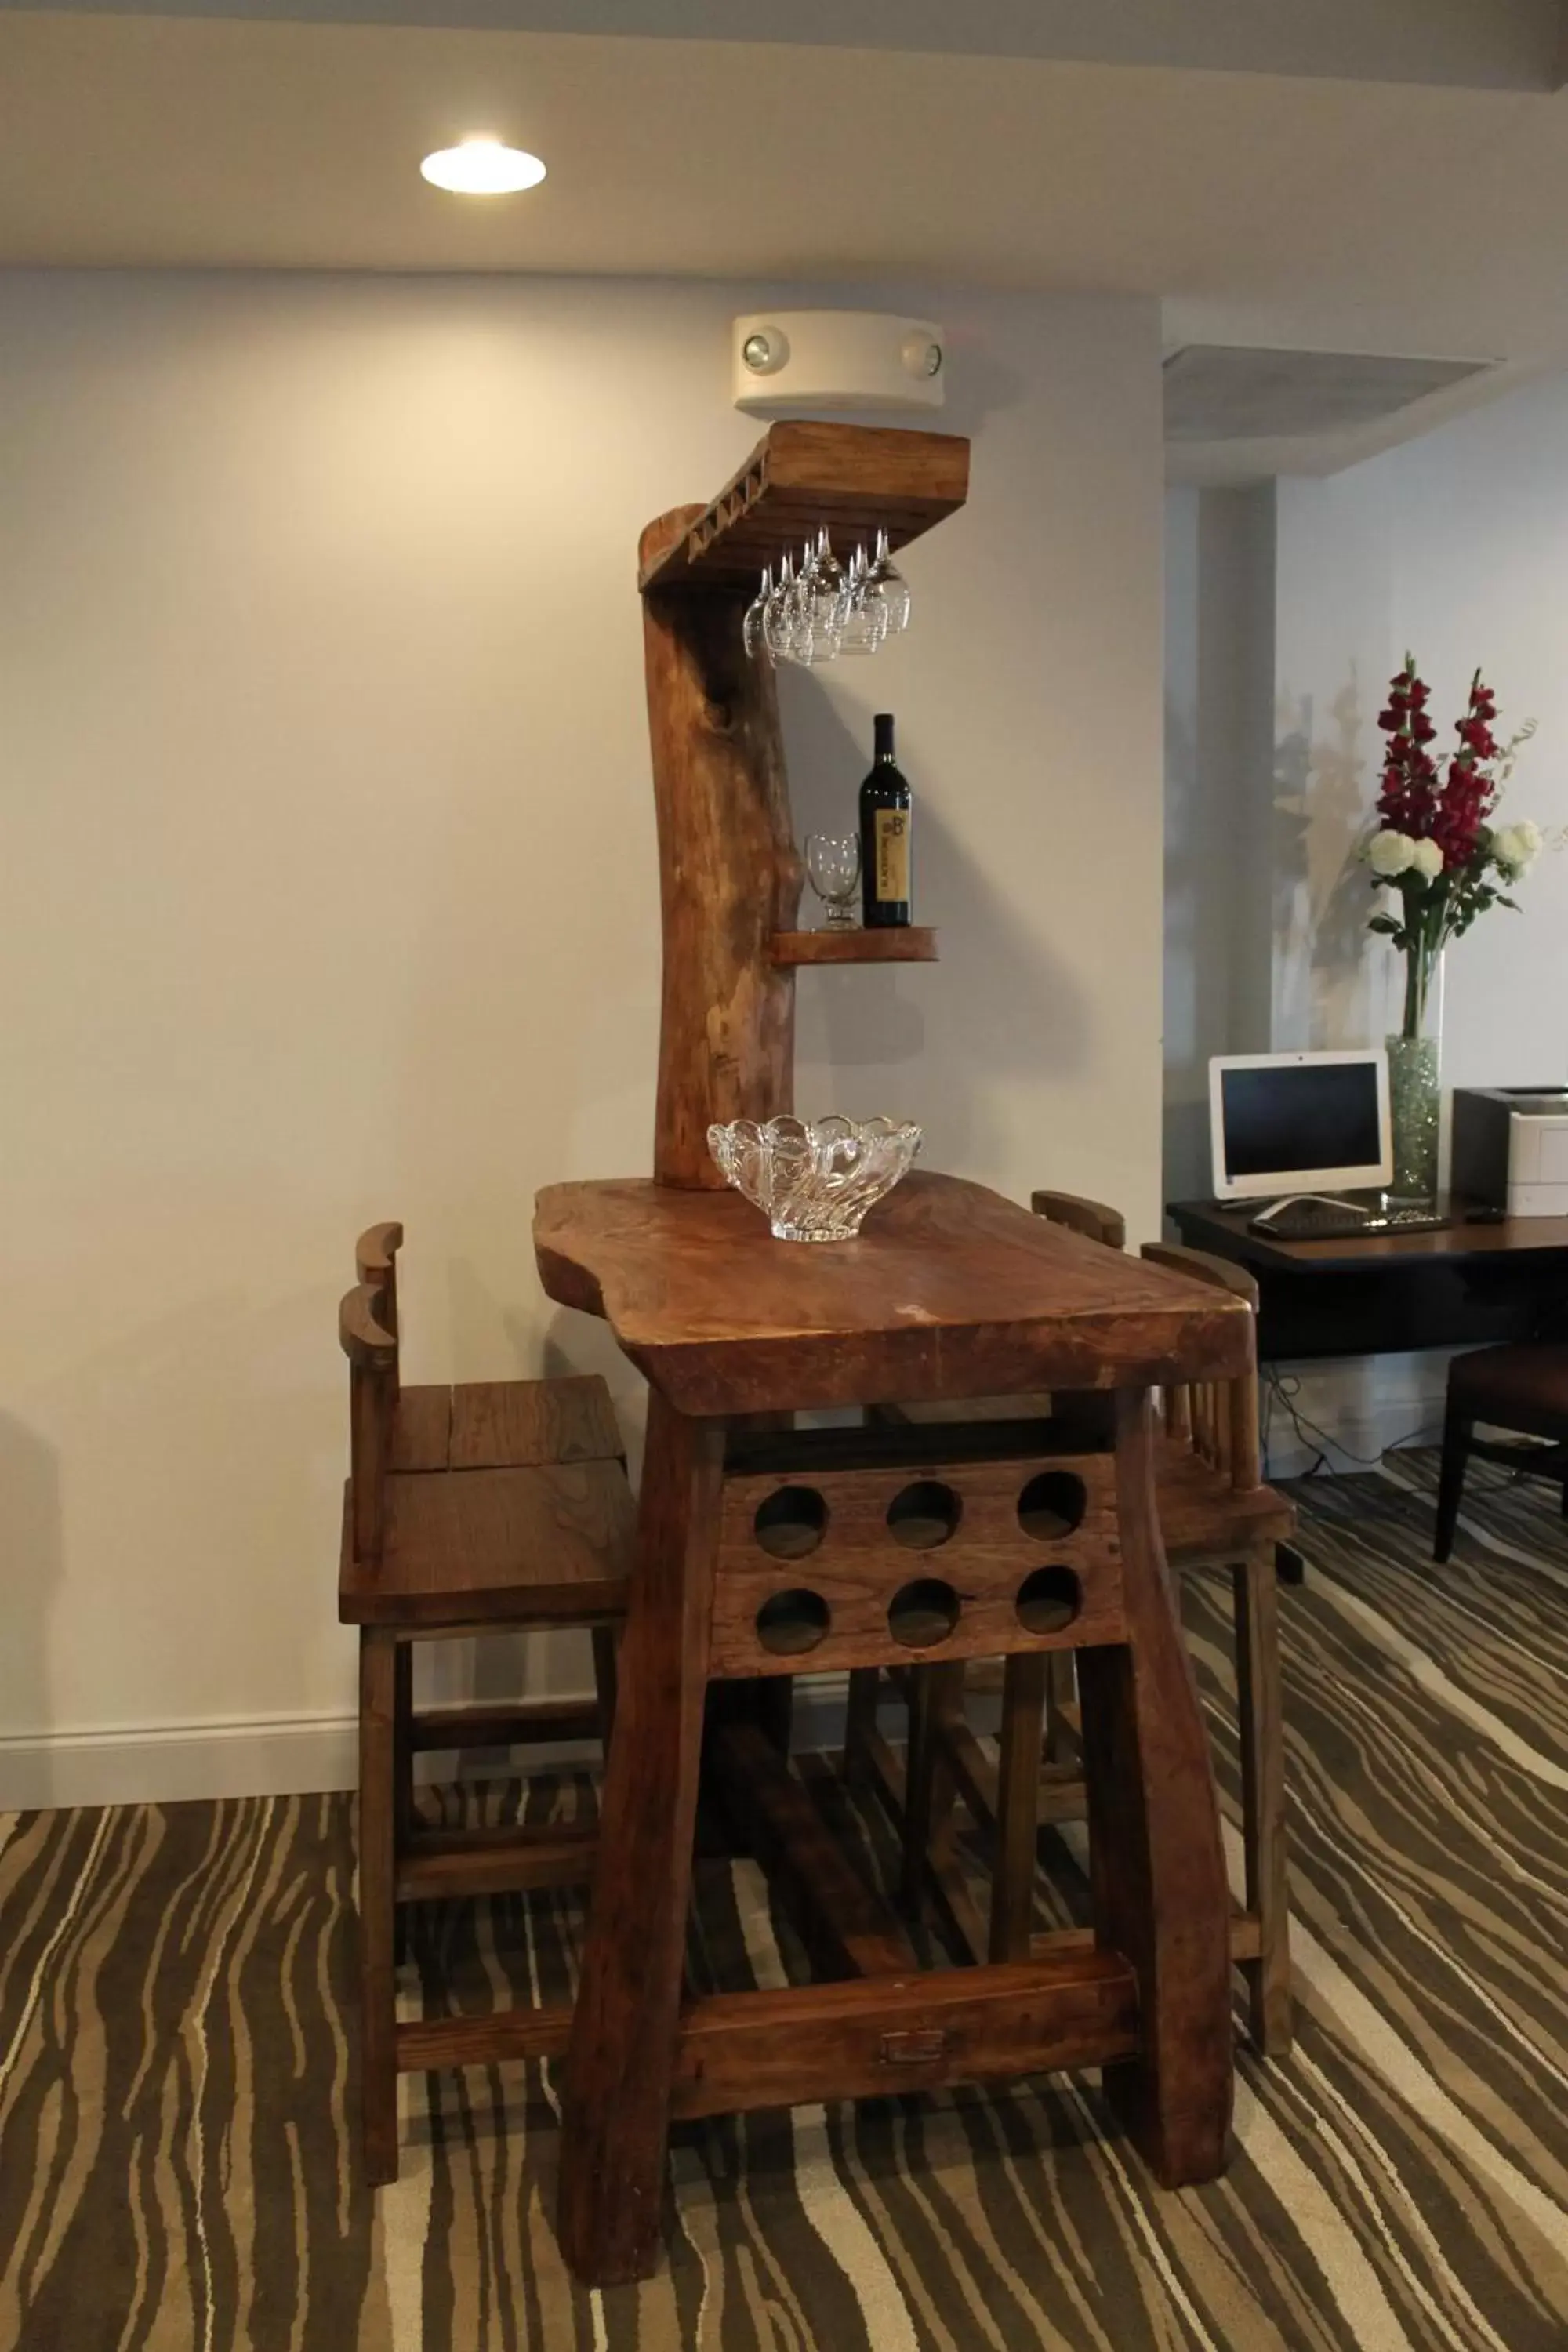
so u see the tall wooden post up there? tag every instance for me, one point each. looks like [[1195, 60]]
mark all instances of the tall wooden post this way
[[729, 873]]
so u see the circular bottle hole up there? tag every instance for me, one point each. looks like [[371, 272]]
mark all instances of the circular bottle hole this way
[[1052, 1505], [790, 1523], [791, 1622], [924, 1516], [1048, 1599], [922, 1614]]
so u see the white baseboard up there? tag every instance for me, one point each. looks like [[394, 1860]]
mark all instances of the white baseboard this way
[[1352, 1410], [276, 1755], [164, 1764]]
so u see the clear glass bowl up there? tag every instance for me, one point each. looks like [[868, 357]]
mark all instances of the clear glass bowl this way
[[813, 1180]]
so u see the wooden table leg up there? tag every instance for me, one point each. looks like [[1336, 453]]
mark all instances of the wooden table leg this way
[[605, 1680], [1260, 1722], [377, 1867], [861, 1722], [1026, 1679], [1157, 1865], [615, 2111], [1061, 1693], [403, 1774], [935, 1692]]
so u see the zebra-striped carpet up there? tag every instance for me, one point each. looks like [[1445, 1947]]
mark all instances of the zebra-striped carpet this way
[[176, 2171]]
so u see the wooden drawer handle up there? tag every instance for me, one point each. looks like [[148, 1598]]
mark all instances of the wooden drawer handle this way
[[919, 2048]]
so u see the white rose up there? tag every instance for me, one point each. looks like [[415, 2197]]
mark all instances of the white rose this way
[[1426, 858], [1389, 853], [1517, 846]]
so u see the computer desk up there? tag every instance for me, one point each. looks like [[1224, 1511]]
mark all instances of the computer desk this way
[[1461, 1285]]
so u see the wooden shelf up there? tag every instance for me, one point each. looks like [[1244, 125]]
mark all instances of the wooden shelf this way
[[910, 945], [857, 478]]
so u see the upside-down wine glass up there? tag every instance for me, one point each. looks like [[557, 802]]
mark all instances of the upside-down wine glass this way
[[887, 584], [823, 602], [752, 627], [778, 615], [865, 624]]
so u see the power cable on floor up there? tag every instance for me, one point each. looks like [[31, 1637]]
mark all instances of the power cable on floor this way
[[1284, 1388]]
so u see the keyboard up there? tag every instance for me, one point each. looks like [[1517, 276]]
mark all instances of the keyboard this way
[[1332, 1221]]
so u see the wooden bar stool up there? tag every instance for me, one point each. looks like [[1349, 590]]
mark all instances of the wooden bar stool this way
[[1214, 1511], [493, 1426], [474, 1509]]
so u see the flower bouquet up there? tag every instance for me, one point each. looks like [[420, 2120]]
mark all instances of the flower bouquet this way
[[1437, 847]]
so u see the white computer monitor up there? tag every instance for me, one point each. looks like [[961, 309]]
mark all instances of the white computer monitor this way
[[1285, 1123]]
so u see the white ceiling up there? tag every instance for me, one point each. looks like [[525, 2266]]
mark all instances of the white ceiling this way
[[1266, 209], [1474, 44], [1225, 392]]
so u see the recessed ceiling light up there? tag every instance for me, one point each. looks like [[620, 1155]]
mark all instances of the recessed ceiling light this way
[[482, 167]]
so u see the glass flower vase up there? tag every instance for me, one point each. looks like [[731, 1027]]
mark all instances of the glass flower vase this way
[[1416, 1074]]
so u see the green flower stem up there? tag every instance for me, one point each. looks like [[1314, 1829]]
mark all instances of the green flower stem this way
[[1424, 936]]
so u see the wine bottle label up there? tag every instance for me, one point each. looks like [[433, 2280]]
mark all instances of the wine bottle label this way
[[892, 854]]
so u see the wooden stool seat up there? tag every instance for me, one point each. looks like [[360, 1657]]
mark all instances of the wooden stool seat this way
[[505, 1424], [1203, 1517], [551, 1545]]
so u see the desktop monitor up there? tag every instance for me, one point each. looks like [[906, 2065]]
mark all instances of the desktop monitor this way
[[1298, 1123]]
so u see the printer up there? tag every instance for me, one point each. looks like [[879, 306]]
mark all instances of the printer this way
[[1511, 1149]]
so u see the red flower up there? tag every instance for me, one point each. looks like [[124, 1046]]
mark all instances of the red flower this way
[[1407, 800]]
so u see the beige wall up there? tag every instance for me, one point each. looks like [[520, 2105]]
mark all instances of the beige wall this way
[[330, 893]]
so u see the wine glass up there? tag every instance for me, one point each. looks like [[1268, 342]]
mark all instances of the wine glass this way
[[865, 621], [814, 609], [832, 865], [822, 602], [779, 614], [752, 627], [886, 584]]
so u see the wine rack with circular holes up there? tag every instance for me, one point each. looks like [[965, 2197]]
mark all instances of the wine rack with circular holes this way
[[825, 1568]]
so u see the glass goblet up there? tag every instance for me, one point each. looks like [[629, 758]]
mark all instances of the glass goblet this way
[[832, 865], [779, 614], [865, 620], [756, 615], [887, 585], [823, 601]]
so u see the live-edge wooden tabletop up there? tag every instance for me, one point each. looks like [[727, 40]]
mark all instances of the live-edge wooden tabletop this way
[[951, 1291]]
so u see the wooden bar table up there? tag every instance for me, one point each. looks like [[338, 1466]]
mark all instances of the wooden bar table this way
[[763, 1552]]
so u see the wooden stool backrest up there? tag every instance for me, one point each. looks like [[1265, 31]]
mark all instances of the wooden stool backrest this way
[[1218, 1419], [1090, 1218], [372, 1350], [375, 1266]]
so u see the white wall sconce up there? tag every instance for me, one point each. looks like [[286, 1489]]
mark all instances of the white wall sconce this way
[[788, 360]]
